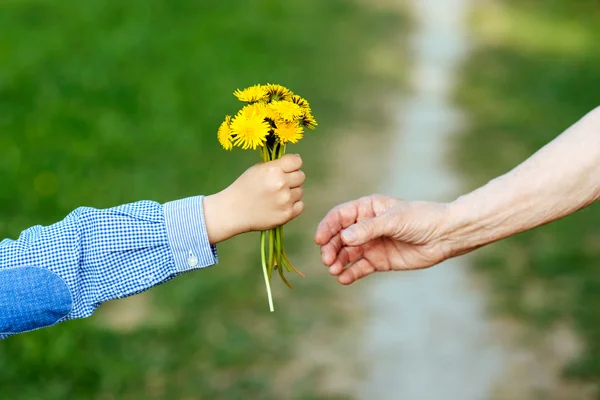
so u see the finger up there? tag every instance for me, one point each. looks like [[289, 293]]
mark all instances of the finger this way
[[356, 271], [366, 230], [345, 256], [330, 250], [340, 217], [295, 179], [296, 194], [297, 209], [289, 162]]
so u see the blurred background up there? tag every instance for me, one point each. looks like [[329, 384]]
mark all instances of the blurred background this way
[[104, 102]]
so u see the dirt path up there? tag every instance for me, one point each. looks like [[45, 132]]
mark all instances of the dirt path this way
[[426, 335]]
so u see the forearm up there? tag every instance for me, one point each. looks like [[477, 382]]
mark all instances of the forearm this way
[[64, 271], [561, 178]]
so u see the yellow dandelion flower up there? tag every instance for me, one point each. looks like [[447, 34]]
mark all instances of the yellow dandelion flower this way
[[252, 110], [278, 92], [289, 131], [307, 118], [250, 132], [300, 101], [309, 121], [224, 134], [287, 110], [259, 109], [266, 111], [251, 94]]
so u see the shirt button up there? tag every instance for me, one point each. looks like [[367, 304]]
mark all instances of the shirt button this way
[[192, 260]]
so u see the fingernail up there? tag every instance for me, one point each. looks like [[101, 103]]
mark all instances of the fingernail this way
[[349, 236]]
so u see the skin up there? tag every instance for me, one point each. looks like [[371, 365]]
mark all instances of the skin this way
[[381, 233], [265, 196]]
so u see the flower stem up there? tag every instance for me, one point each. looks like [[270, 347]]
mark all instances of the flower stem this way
[[289, 262], [263, 234], [282, 275], [271, 256], [280, 249]]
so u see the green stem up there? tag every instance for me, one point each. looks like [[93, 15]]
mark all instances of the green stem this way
[[264, 266], [289, 262], [271, 252], [277, 248], [274, 152], [281, 150], [279, 237], [279, 257], [281, 274], [264, 153]]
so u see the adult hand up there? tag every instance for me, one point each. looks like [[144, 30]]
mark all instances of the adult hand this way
[[380, 233]]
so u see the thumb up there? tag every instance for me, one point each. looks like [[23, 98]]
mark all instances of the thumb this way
[[365, 231]]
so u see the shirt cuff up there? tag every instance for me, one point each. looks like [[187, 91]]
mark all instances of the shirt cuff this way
[[187, 236]]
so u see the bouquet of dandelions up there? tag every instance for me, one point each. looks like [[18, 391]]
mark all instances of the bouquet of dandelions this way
[[272, 117]]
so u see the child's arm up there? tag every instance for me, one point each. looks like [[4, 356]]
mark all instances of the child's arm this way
[[66, 270]]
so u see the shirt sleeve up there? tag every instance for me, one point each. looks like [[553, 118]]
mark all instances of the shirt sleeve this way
[[66, 270]]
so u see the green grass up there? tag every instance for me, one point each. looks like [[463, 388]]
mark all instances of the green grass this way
[[104, 102], [534, 75]]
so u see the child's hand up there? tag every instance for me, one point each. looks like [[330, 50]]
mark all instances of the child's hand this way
[[265, 196]]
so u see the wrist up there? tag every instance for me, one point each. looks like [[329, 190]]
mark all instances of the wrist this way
[[501, 208], [462, 232], [481, 217], [219, 217]]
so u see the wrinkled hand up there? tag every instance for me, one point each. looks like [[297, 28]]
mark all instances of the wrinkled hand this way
[[265, 196], [380, 233]]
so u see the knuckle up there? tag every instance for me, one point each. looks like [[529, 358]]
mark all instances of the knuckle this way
[[279, 183], [346, 212], [363, 229], [273, 170], [276, 180], [285, 196]]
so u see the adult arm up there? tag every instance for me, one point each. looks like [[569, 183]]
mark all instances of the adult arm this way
[[559, 179], [381, 233]]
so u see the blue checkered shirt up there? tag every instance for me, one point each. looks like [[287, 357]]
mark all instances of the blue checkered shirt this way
[[64, 271]]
